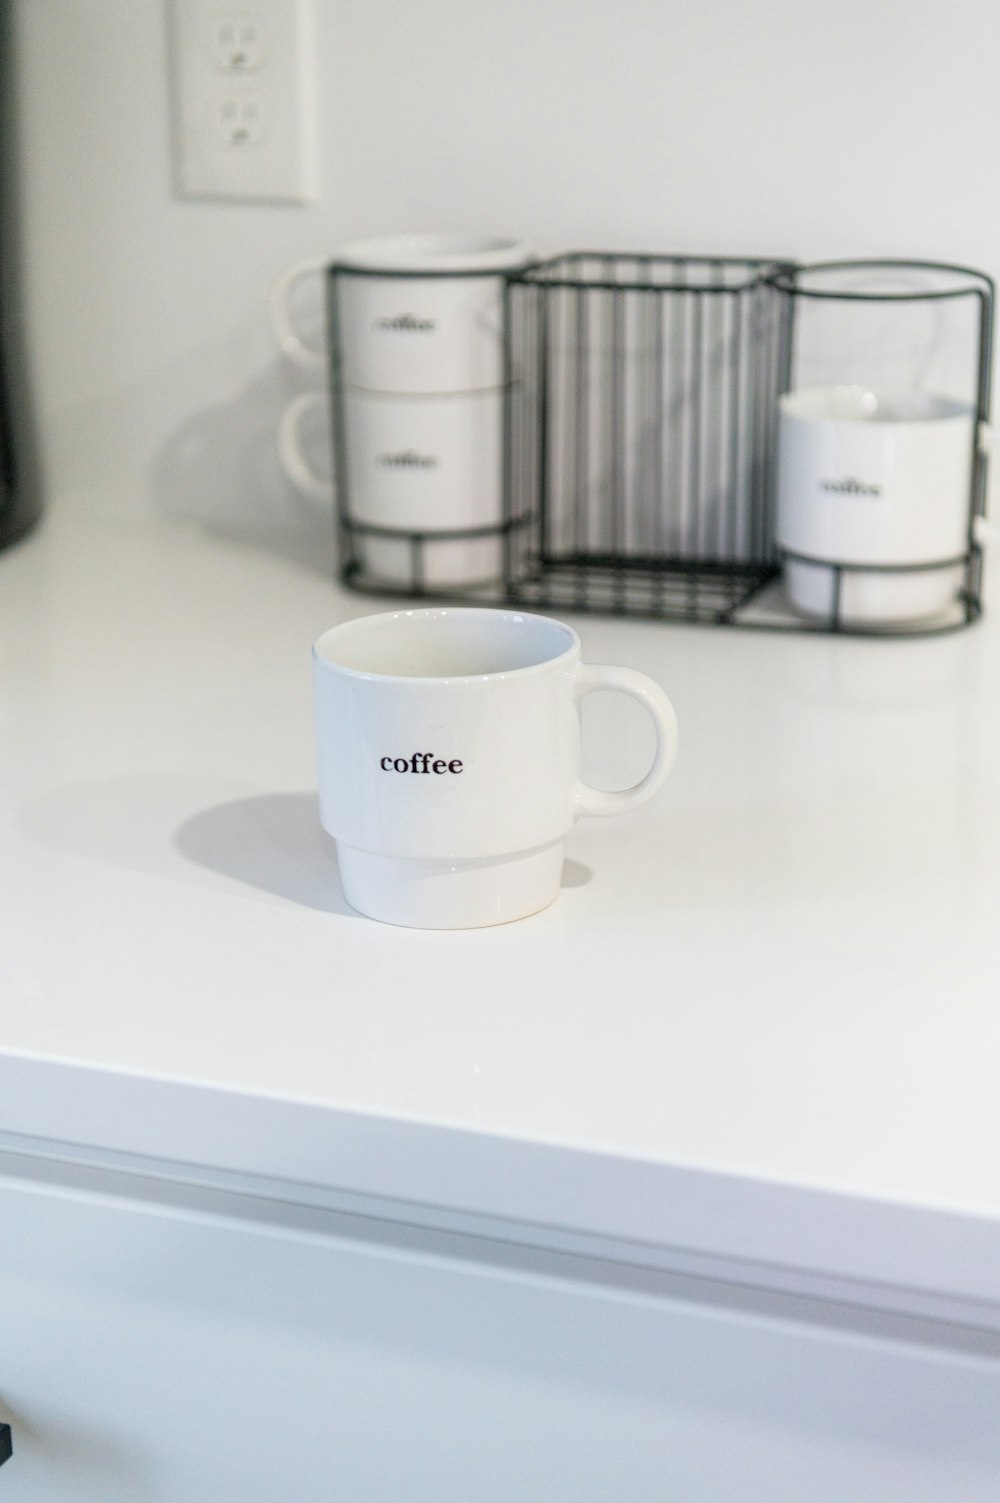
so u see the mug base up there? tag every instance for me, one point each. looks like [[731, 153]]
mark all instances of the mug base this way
[[445, 563], [870, 598], [443, 894]]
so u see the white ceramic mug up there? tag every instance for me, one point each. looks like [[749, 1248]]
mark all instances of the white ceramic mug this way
[[425, 463], [879, 479], [420, 464], [420, 335], [449, 760], [415, 313]]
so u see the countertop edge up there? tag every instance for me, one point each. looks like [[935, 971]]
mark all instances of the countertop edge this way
[[746, 1229]]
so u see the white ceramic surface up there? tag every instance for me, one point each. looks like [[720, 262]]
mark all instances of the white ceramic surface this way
[[406, 332], [874, 599], [422, 377], [822, 869], [444, 563], [869, 478], [427, 463], [430, 464], [423, 463], [449, 760]]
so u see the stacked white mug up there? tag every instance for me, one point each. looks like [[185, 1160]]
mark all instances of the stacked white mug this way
[[417, 330], [880, 441]]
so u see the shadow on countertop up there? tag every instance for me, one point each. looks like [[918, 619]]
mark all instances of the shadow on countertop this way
[[273, 841], [219, 470]]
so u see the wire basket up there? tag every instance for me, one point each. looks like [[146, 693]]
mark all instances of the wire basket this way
[[881, 462], [641, 433], [640, 447]]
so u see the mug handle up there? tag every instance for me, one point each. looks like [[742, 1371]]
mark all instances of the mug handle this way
[[599, 801], [287, 337], [293, 461]]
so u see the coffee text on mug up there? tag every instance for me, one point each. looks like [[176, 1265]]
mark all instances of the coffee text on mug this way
[[850, 488], [420, 762], [404, 323], [407, 459]]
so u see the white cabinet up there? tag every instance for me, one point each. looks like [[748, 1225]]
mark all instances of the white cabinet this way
[[152, 1353]]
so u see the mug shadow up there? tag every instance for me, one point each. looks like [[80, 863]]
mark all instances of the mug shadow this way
[[219, 470], [274, 842]]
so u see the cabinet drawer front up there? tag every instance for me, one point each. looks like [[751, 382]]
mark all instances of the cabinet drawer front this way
[[154, 1353]]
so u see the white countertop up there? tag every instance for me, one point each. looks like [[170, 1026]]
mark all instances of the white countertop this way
[[763, 1018]]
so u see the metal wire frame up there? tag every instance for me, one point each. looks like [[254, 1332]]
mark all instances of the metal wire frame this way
[[641, 425], [702, 505], [351, 528], [789, 281]]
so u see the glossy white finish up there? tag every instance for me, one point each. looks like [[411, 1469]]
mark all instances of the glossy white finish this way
[[592, 677], [425, 463], [439, 333], [449, 760], [233, 1348], [761, 1019], [422, 364], [445, 560], [924, 597], [294, 461], [401, 332], [869, 479], [433, 893], [291, 341]]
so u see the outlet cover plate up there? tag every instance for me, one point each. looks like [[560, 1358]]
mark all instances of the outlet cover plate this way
[[243, 93]]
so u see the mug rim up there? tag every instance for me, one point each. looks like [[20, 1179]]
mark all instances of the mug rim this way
[[435, 253], [360, 624], [803, 402]]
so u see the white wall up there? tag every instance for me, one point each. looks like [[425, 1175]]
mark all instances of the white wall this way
[[801, 127]]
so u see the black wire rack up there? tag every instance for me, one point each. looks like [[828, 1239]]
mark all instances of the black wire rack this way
[[894, 284], [642, 410], [641, 426]]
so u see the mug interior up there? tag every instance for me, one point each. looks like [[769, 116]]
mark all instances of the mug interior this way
[[858, 404], [445, 644]]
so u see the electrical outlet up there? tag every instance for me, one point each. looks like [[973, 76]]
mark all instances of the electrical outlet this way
[[243, 97], [239, 119], [237, 41]]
